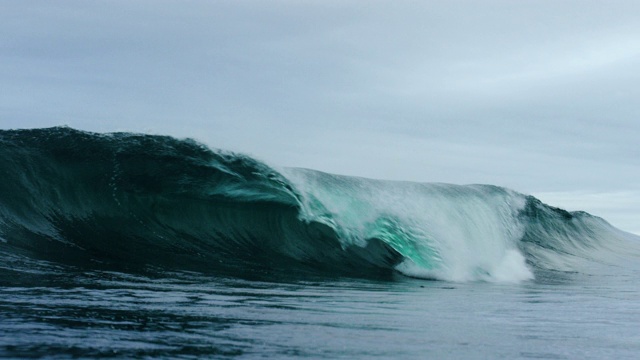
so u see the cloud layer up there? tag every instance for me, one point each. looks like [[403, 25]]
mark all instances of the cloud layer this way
[[537, 96]]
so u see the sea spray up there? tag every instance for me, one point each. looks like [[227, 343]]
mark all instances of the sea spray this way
[[443, 231]]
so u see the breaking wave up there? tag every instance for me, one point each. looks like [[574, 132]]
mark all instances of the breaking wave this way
[[76, 197]]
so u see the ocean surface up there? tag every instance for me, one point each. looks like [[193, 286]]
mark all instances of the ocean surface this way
[[138, 246]]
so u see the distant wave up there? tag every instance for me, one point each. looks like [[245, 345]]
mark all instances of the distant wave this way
[[76, 197]]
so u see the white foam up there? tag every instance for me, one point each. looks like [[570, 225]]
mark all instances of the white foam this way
[[512, 268], [448, 232]]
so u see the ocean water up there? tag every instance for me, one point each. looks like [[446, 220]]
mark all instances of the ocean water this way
[[136, 246]]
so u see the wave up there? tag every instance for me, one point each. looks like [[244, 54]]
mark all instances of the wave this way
[[76, 197]]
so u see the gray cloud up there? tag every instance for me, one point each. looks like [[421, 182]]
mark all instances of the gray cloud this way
[[538, 96]]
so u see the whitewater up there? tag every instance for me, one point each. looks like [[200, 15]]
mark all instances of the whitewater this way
[[131, 245]]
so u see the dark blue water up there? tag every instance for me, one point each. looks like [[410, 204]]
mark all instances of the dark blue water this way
[[65, 314]]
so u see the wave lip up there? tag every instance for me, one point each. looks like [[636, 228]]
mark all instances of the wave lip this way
[[79, 197], [442, 231]]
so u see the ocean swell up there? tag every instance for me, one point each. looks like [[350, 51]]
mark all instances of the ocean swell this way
[[84, 198]]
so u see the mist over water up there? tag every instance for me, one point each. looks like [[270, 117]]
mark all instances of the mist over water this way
[[131, 245]]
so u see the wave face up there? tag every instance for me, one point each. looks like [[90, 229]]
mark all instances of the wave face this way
[[75, 197]]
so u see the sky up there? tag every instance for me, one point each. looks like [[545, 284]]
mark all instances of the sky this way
[[538, 96]]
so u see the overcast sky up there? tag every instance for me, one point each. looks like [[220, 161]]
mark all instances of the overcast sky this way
[[538, 96]]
